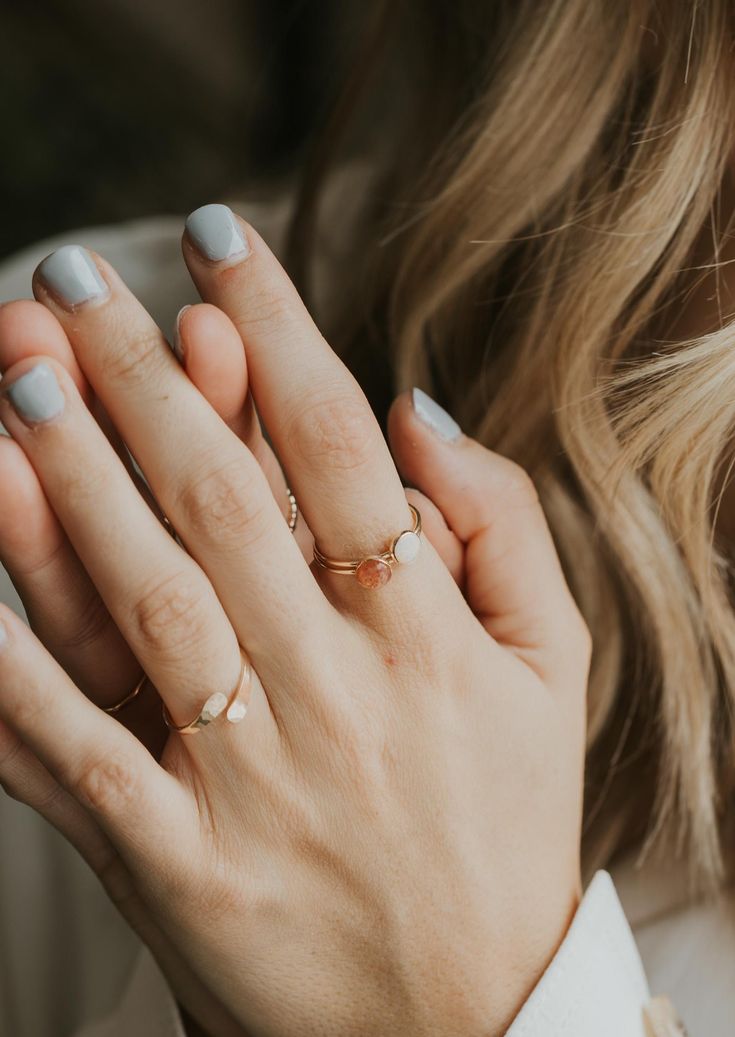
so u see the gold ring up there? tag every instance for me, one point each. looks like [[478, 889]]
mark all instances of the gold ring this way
[[233, 706], [112, 710], [375, 570]]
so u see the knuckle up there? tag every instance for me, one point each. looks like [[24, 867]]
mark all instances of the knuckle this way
[[224, 506], [132, 359], [107, 785], [171, 613], [339, 430]]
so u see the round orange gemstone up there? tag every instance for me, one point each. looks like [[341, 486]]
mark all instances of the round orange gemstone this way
[[373, 572]]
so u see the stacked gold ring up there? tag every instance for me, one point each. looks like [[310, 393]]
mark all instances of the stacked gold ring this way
[[375, 570]]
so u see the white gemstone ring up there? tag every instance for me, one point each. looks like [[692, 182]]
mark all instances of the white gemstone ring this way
[[375, 570], [234, 706]]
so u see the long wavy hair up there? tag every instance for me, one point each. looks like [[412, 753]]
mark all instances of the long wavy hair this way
[[549, 180]]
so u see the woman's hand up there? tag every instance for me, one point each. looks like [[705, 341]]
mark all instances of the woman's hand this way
[[388, 842]]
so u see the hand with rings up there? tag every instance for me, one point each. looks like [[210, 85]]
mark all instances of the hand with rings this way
[[375, 828]]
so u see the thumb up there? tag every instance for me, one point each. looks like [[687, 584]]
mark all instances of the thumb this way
[[514, 580]]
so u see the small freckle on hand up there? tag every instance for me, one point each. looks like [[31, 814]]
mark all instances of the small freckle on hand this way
[[390, 660]]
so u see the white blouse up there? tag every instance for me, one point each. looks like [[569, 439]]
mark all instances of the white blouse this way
[[70, 966]]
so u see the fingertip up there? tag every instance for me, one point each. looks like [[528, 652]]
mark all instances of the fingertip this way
[[424, 439], [38, 359], [177, 342], [216, 236], [399, 426], [28, 328], [416, 415], [213, 356]]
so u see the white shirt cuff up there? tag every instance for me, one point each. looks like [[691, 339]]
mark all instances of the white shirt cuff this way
[[595, 984]]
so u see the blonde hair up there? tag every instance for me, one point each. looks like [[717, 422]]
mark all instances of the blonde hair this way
[[522, 257]]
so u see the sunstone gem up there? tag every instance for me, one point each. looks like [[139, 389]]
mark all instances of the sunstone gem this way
[[407, 546], [372, 573]]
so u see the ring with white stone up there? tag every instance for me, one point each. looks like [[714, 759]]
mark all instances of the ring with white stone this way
[[375, 570], [234, 706]]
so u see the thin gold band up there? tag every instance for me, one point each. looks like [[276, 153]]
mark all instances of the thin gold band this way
[[233, 706], [112, 710], [375, 570]]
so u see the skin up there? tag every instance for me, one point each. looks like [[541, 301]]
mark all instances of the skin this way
[[406, 858]]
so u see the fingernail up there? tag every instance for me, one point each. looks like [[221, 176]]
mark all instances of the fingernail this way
[[72, 275], [36, 395], [3, 635], [427, 410], [216, 233], [176, 344]]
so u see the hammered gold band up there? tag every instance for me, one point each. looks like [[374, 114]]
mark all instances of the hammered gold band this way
[[375, 570], [234, 706]]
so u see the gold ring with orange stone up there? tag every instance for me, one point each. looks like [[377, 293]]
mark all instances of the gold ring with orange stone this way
[[376, 570]]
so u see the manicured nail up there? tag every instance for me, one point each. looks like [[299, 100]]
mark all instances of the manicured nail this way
[[427, 410], [71, 274], [176, 337], [216, 233], [36, 395], [3, 635]]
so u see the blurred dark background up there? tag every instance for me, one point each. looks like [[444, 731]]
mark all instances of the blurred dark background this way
[[112, 109]]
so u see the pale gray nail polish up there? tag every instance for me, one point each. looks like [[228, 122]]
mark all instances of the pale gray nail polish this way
[[36, 395], [71, 274], [176, 337], [216, 233], [429, 411]]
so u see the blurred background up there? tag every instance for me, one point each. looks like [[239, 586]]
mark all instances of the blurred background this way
[[115, 109]]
